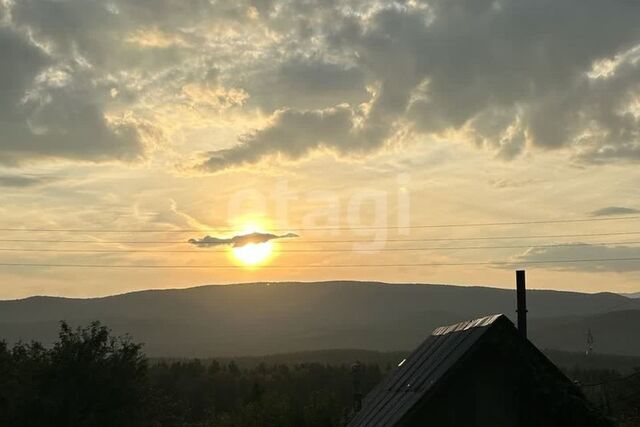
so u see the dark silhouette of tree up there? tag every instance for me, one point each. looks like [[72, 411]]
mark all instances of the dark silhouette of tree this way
[[91, 378], [88, 378]]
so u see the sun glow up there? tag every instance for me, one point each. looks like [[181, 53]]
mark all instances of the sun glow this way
[[254, 253]]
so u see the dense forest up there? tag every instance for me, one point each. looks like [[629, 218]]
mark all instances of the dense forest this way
[[91, 378]]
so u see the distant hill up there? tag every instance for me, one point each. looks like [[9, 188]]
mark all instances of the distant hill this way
[[256, 319], [613, 332], [634, 295]]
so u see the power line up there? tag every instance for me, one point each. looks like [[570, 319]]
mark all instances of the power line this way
[[208, 250], [477, 238], [303, 241], [235, 267], [386, 227]]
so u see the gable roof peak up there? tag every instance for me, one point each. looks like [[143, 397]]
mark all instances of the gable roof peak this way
[[469, 324]]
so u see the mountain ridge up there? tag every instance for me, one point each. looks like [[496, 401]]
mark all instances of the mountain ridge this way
[[196, 287], [259, 318]]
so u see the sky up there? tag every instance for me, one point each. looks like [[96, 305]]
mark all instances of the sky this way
[[337, 120]]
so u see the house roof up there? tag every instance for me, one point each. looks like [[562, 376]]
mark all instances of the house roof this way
[[421, 372]]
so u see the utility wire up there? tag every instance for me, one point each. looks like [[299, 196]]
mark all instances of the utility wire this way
[[303, 241], [196, 230], [270, 267], [209, 250]]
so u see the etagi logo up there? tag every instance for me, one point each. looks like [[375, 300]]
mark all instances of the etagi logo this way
[[369, 213]]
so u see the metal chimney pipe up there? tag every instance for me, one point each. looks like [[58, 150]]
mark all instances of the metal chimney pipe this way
[[521, 290]]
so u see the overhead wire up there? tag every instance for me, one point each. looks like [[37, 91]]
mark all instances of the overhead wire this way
[[331, 241], [433, 248], [331, 228], [304, 266]]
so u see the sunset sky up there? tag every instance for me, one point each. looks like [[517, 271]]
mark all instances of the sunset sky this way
[[161, 121]]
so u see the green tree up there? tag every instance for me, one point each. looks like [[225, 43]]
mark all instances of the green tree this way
[[88, 378]]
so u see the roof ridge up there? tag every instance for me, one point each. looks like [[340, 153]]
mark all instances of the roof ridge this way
[[468, 324]]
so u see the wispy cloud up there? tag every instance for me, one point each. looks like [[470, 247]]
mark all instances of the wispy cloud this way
[[594, 258], [23, 181], [614, 211]]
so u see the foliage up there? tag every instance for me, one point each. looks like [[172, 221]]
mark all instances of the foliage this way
[[307, 394], [90, 378], [615, 395]]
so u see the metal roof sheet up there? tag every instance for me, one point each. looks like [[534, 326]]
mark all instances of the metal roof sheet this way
[[386, 404]]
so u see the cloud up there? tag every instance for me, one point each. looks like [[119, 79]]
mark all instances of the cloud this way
[[586, 252], [239, 240], [306, 83], [52, 111], [24, 181], [293, 134], [508, 183], [84, 79], [511, 71], [614, 210], [505, 75], [103, 81]]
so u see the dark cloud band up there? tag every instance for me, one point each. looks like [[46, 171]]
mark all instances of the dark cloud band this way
[[239, 240], [505, 75], [347, 76], [614, 211]]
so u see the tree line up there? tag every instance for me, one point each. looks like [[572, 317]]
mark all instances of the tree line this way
[[91, 378]]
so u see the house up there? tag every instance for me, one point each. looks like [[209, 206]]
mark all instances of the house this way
[[477, 373]]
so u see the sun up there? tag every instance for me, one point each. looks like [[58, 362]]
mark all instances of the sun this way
[[253, 254]]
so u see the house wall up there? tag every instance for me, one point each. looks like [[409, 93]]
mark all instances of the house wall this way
[[483, 396], [504, 384]]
